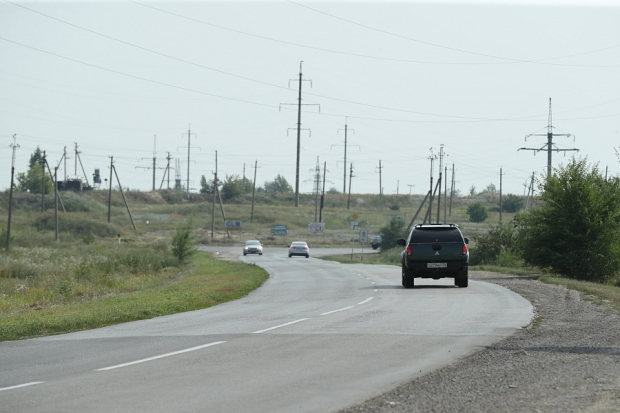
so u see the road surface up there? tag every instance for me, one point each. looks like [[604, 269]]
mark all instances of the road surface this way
[[316, 337]]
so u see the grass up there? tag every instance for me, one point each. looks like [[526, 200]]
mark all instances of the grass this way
[[204, 283], [604, 293], [87, 279]]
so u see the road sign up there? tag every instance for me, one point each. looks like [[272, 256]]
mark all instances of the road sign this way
[[354, 216], [233, 224], [279, 230], [363, 236], [316, 226], [354, 225]]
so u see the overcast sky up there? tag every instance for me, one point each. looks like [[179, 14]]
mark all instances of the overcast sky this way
[[407, 76]]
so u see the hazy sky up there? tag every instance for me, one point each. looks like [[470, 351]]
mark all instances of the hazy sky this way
[[404, 76]]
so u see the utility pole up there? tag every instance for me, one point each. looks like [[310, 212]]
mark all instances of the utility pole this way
[[445, 195], [410, 186], [441, 155], [299, 105], [317, 185], [14, 146], [452, 190], [380, 187], [430, 201], [154, 167], [43, 162], [166, 171], [549, 145], [214, 195], [344, 177], [350, 178], [110, 190], [323, 193], [500, 195], [253, 189], [189, 136]]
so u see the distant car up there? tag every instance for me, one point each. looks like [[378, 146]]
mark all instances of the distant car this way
[[299, 248], [252, 247], [375, 241]]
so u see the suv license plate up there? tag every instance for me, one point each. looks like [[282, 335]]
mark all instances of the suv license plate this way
[[437, 265]]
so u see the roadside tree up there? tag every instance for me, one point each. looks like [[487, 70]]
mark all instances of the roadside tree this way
[[576, 230]]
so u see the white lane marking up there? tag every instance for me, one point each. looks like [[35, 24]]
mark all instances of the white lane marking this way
[[375, 290], [341, 309], [281, 325], [372, 282], [365, 301], [174, 353], [21, 385]]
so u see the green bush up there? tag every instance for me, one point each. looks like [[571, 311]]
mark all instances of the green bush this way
[[500, 238], [183, 242], [512, 203], [390, 233], [576, 230], [477, 212]]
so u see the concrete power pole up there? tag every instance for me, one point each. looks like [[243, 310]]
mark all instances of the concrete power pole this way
[[14, 146], [299, 128], [380, 186], [549, 145], [189, 135], [254, 189]]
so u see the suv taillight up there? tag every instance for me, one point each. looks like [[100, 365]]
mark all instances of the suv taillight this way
[[465, 252], [409, 249]]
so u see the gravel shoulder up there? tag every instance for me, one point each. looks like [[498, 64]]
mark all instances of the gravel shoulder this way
[[568, 360]]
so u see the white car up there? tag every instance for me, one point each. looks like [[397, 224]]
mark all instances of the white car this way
[[299, 248], [252, 247]]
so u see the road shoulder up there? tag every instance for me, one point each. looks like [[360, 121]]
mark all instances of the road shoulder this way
[[568, 360]]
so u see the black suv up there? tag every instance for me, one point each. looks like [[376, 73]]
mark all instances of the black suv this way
[[435, 251]]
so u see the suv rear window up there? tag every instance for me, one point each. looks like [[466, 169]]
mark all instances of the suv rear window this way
[[439, 234]]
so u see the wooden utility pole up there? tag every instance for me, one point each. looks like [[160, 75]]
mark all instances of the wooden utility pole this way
[[254, 189]]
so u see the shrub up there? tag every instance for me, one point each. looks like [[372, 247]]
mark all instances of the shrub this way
[[512, 203], [390, 233], [183, 242], [576, 230], [477, 212], [489, 247]]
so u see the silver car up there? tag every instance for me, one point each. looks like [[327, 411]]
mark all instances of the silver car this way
[[252, 247], [299, 248]]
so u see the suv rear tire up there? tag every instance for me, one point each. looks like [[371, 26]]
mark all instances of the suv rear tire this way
[[462, 279], [407, 277]]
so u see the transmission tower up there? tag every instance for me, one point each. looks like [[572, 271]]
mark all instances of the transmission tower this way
[[549, 145]]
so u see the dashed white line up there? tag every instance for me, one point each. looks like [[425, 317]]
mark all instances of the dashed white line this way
[[281, 325], [365, 301], [340, 309], [21, 385], [174, 353]]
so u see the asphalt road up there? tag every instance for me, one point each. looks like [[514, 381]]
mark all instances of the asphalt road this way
[[317, 337]]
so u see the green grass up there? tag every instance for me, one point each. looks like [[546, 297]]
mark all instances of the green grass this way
[[603, 293], [204, 283]]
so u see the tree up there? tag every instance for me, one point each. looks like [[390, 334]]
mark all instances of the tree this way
[[278, 186], [390, 233], [31, 181], [472, 190], [491, 188], [512, 203], [333, 190], [36, 158], [232, 187], [576, 230], [206, 187], [477, 212], [183, 243]]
